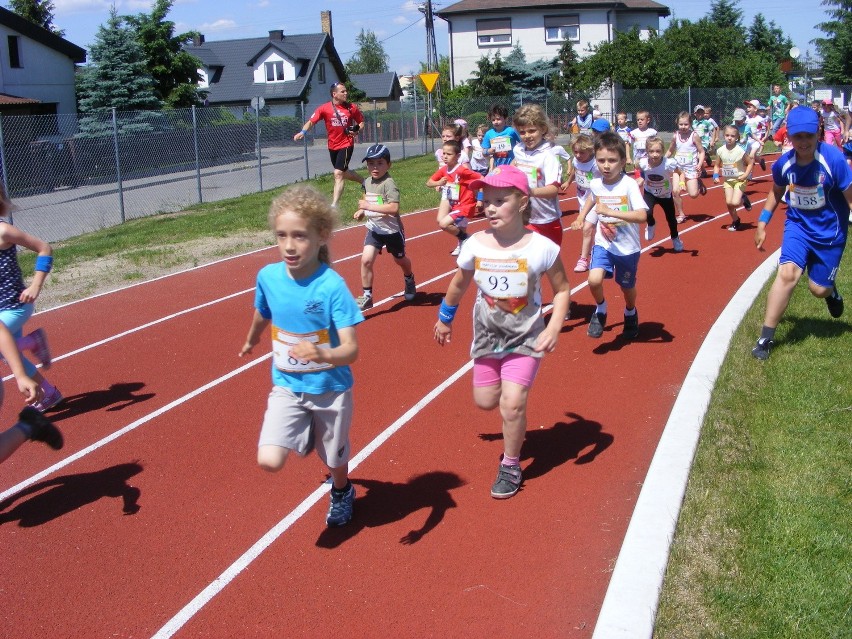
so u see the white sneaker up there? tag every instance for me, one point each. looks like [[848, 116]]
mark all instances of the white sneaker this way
[[650, 231], [677, 243], [456, 250]]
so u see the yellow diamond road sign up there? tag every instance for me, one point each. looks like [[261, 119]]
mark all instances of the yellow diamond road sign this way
[[429, 80]]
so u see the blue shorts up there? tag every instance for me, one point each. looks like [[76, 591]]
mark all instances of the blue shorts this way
[[819, 260], [623, 266]]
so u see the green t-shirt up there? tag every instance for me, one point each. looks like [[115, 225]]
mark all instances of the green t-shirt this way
[[778, 106]]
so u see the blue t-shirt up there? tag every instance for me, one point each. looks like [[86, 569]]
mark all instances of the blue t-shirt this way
[[312, 308], [503, 143], [814, 196]]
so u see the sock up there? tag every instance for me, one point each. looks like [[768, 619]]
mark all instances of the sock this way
[[629, 312], [27, 343], [601, 308], [511, 461], [462, 236], [767, 333], [368, 292], [410, 276], [340, 491], [835, 294], [26, 428]]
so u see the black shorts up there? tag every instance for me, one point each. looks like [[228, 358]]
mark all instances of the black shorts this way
[[340, 158], [395, 242]]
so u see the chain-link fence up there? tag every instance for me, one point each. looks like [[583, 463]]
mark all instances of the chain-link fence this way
[[71, 174]]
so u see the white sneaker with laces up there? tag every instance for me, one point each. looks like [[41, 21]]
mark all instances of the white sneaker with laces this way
[[650, 231]]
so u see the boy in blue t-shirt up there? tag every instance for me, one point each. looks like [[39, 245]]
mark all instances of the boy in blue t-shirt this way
[[499, 141], [816, 184]]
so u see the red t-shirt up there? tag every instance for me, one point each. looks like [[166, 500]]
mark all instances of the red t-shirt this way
[[336, 123], [461, 196]]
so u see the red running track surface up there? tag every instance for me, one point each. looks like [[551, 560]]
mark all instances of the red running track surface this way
[[157, 494]]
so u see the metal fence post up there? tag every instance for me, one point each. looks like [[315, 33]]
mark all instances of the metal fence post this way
[[259, 154], [401, 125], [3, 163], [118, 166], [376, 125], [305, 146], [197, 161]]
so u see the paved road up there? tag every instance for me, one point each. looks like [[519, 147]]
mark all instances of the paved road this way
[[70, 211]]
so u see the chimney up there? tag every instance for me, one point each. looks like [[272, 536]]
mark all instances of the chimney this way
[[325, 23], [277, 34], [198, 39]]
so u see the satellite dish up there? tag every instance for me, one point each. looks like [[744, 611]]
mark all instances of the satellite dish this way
[[795, 53], [258, 103]]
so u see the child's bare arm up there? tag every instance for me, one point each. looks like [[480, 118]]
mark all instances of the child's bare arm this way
[[342, 355], [458, 285], [258, 325], [546, 341], [577, 224]]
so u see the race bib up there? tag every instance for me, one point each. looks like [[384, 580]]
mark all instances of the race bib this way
[[730, 171], [807, 198], [505, 281], [685, 158], [452, 191], [501, 144], [615, 202], [532, 174], [658, 185], [282, 342], [639, 144], [374, 198], [584, 179]]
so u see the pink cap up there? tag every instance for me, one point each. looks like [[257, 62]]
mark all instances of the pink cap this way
[[460, 122], [504, 176], [828, 101]]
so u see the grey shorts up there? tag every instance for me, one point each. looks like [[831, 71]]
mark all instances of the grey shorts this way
[[303, 421]]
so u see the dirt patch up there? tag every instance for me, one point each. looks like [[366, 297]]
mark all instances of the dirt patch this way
[[71, 283]]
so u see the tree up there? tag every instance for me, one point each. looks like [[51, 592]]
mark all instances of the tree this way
[[836, 48], [769, 38], [174, 71], [371, 56], [38, 12], [726, 13], [116, 76], [490, 78], [569, 73]]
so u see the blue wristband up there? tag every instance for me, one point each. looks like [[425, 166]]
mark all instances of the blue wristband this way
[[447, 313], [480, 196], [715, 176], [44, 263], [304, 131], [765, 216]]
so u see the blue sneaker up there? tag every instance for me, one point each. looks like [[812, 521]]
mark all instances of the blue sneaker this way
[[340, 508]]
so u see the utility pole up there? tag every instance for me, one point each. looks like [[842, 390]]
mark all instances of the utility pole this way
[[431, 55]]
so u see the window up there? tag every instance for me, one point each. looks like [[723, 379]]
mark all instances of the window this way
[[494, 32], [321, 73], [562, 28], [14, 52], [275, 71]]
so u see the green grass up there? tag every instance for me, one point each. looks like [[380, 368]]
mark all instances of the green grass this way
[[762, 548]]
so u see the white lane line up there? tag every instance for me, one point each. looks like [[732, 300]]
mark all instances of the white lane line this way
[[630, 605], [130, 427], [215, 587]]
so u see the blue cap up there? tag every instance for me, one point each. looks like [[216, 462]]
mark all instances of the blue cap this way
[[802, 119], [601, 125], [377, 151]]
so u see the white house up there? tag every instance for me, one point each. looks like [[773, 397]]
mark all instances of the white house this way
[[480, 28], [37, 69]]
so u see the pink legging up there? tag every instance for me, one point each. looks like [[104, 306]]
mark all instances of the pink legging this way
[[833, 137]]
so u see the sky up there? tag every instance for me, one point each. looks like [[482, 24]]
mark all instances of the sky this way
[[398, 24]]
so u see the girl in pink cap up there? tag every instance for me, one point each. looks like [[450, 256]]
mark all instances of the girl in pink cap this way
[[834, 125], [506, 261]]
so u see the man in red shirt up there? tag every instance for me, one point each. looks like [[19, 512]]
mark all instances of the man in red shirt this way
[[342, 121]]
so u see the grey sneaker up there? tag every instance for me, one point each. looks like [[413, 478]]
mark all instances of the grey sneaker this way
[[508, 482], [596, 325], [364, 302], [835, 304], [340, 508], [762, 348], [42, 428], [410, 288], [631, 326], [677, 244]]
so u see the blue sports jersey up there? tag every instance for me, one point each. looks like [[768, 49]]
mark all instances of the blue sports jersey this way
[[814, 195], [503, 154], [312, 308]]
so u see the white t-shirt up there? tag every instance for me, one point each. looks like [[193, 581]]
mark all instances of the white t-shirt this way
[[584, 173], [612, 233], [542, 169], [639, 139], [478, 159], [559, 151], [507, 313], [658, 179]]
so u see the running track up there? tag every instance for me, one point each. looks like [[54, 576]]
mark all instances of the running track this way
[[154, 520]]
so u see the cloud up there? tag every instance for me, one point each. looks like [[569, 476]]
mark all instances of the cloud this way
[[222, 24]]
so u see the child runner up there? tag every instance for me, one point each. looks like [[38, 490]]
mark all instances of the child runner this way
[[458, 202], [619, 209], [757, 124], [688, 151], [582, 170], [816, 184], [17, 301], [659, 177], [380, 206], [641, 133], [506, 261], [464, 139], [534, 156], [448, 133], [624, 131], [582, 122], [778, 107], [734, 165], [834, 125], [500, 139], [313, 319], [31, 425], [705, 130], [478, 158], [748, 139]]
